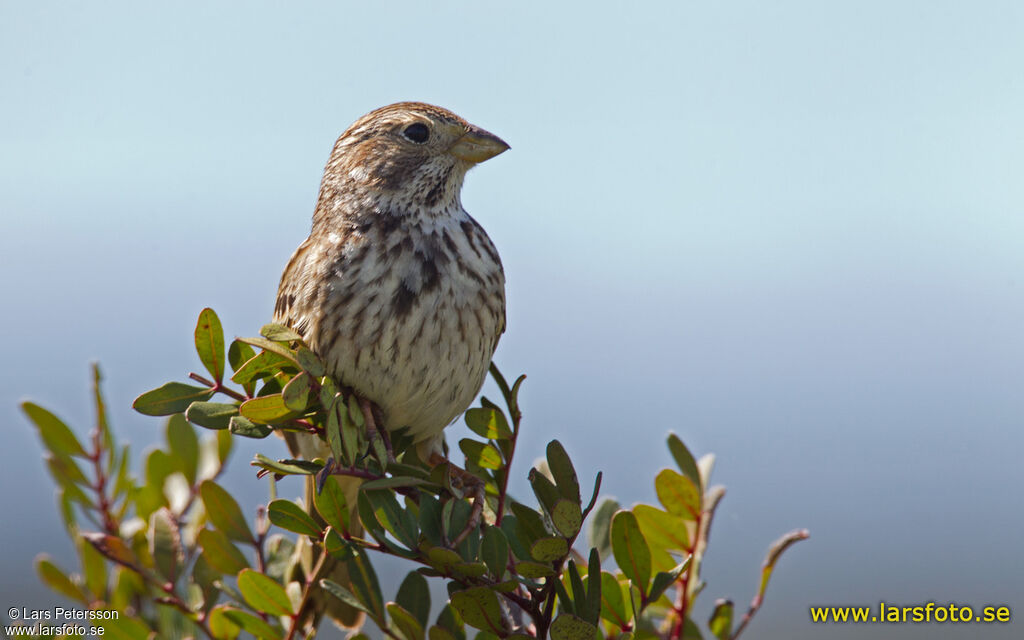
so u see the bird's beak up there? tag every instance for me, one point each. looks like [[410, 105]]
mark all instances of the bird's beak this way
[[477, 145]]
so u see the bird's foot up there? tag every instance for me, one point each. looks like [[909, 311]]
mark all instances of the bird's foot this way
[[378, 437]]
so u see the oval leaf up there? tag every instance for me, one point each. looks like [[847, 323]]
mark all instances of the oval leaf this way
[[678, 494], [479, 608], [569, 627], [288, 515], [220, 553], [56, 436], [263, 593], [211, 415], [210, 343], [630, 549], [224, 512], [173, 397], [266, 409], [488, 423]]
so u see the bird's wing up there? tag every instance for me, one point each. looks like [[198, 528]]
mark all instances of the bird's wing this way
[[292, 308]]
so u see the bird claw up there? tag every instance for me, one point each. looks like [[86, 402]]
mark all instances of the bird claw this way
[[375, 435]]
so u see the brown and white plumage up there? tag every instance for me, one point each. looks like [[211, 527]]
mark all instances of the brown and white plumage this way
[[397, 289]]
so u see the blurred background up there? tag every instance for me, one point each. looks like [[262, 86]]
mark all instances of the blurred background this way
[[792, 232]]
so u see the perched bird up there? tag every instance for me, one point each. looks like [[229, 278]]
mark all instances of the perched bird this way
[[398, 290]]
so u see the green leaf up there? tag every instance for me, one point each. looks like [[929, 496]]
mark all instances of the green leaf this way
[[592, 611], [678, 494], [56, 436], [349, 430], [494, 551], [545, 490], [224, 512], [414, 596], [567, 518], [685, 460], [439, 633], [159, 465], [94, 567], [184, 445], [65, 471], [246, 428], [263, 594], [396, 520], [479, 608], [332, 504], [569, 627], [345, 596], [279, 333], [221, 627], [720, 623], [210, 343], [549, 549], [171, 398], [262, 365], [288, 515], [58, 581], [165, 543], [220, 553], [365, 584], [336, 545], [449, 621], [484, 455], [443, 559], [408, 626], [333, 431], [254, 625], [600, 531], [662, 530], [775, 552], [630, 549], [533, 570], [295, 394], [267, 409], [211, 415], [563, 471], [529, 525], [287, 467], [310, 363], [613, 604], [273, 347], [488, 423], [239, 353]]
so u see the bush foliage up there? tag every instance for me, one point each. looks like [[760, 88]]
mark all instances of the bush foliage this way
[[173, 550]]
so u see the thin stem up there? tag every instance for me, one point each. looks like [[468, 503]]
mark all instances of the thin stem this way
[[500, 513], [216, 386], [682, 602], [109, 522], [755, 604]]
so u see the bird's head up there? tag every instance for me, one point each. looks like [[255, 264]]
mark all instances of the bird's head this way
[[409, 155]]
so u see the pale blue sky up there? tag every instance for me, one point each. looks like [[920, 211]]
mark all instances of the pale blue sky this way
[[792, 231]]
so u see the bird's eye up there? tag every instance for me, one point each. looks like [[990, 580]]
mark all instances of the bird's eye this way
[[417, 132]]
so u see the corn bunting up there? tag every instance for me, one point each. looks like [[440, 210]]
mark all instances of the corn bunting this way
[[397, 288]]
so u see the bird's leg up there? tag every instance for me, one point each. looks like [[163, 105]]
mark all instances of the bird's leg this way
[[371, 417], [467, 483]]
